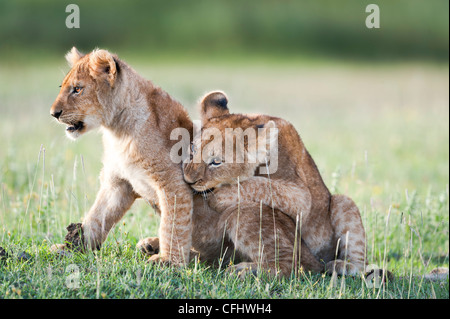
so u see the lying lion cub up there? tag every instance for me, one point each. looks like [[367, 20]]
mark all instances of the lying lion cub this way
[[136, 118], [331, 226]]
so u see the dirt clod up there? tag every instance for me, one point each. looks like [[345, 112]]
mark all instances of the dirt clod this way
[[74, 238]]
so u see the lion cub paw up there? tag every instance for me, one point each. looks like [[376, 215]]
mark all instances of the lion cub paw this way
[[61, 250], [158, 259], [243, 269], [149, 246], [342, 268]]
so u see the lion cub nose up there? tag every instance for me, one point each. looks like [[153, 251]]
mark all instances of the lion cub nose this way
[[189, 180], [56, 114]]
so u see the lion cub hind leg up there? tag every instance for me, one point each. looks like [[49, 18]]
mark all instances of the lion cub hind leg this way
[[349, 232], [175, 201], [308, 261]]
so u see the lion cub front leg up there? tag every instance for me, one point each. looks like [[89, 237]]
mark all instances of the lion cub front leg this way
[[292, 199], [175, 232], [112, 202]]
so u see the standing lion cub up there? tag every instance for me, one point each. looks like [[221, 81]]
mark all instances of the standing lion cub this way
[[136, 118]]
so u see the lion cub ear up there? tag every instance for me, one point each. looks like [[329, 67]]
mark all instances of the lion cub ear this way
[[73, 56], [103, 65], [213, 104]]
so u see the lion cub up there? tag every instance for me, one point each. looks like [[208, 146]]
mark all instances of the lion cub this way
[[136, 118], [331, 225]]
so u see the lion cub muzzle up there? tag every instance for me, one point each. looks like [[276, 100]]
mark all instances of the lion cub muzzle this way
[[56, 114]]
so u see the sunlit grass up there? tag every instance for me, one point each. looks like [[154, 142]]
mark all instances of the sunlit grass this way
[[379, 135]]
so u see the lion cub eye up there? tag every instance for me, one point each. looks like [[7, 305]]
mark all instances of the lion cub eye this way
[[77, 89], [193, 149], [216, 162]]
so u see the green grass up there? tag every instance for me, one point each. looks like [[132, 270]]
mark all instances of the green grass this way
[[377, 133]]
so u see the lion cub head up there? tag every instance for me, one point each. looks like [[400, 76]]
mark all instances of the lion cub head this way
[[229, 148], [81, 101]]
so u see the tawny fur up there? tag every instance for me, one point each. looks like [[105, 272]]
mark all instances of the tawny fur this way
[[136, 118], [295, 189]]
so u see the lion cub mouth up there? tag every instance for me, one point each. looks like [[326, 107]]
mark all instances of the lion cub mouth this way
[[205, 192], [75, 127]]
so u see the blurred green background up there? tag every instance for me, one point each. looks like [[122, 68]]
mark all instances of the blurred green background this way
[[410, 29], [371, 105]]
